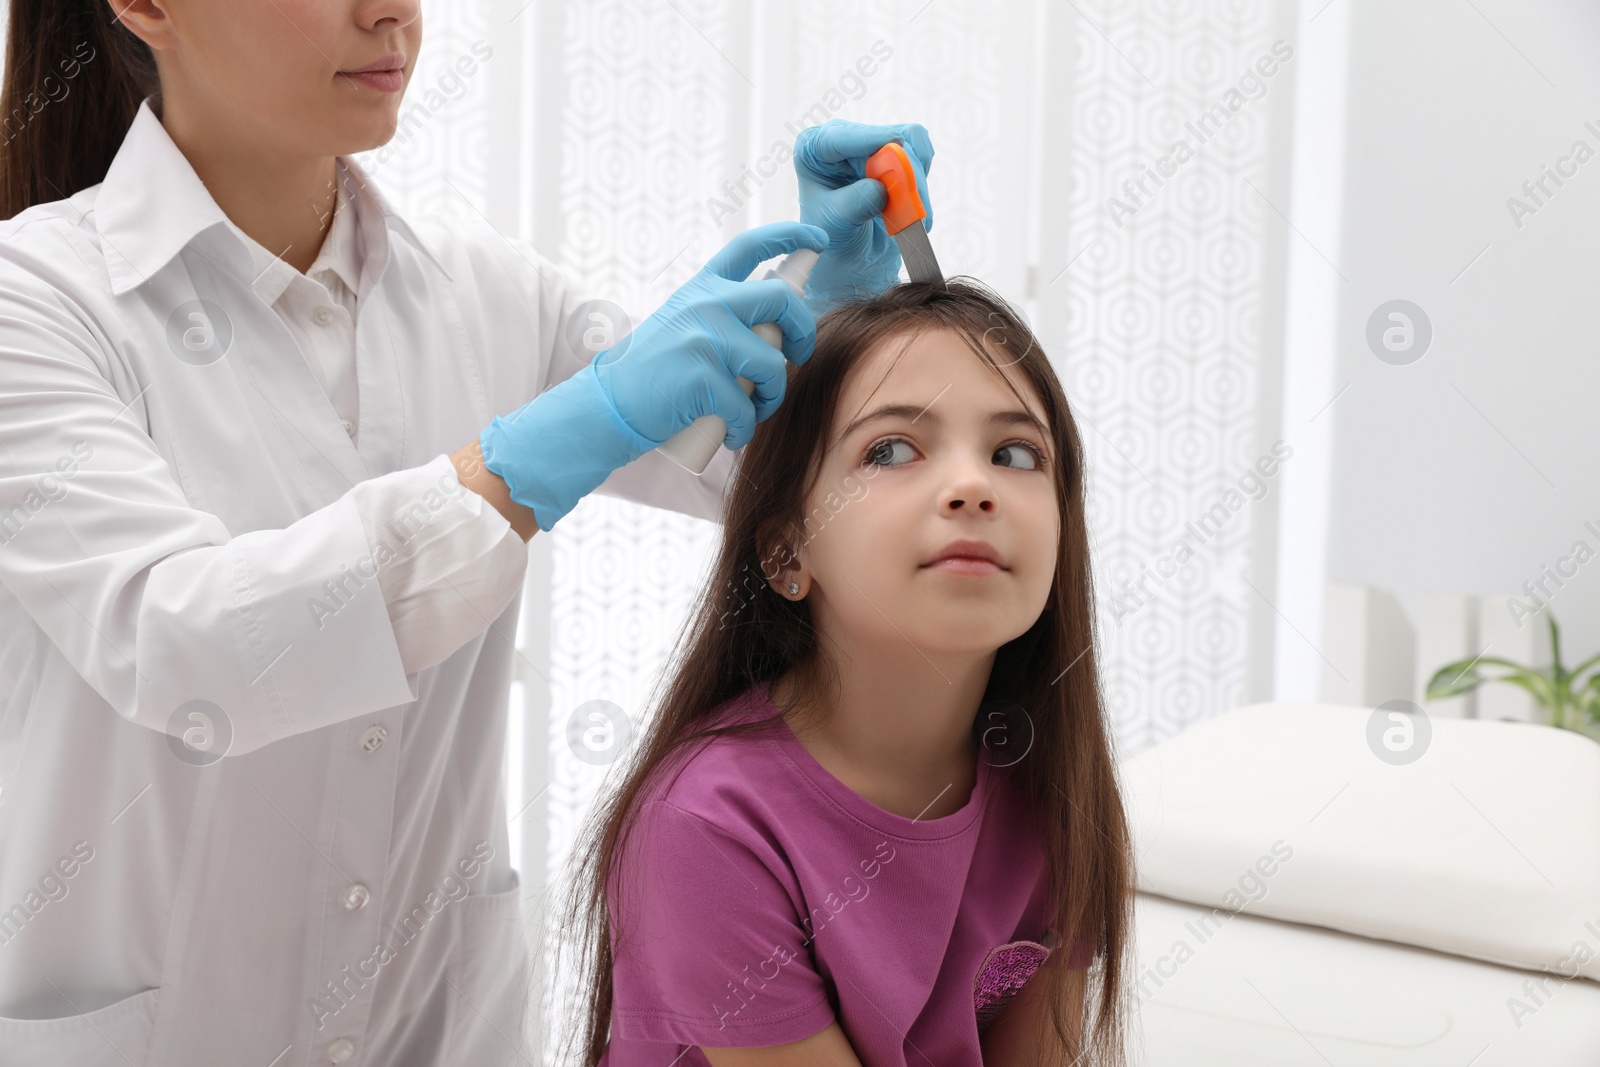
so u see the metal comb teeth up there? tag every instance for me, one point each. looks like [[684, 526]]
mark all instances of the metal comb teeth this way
[[921, 264]]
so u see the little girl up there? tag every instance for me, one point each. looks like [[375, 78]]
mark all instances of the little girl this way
[[875, 822]]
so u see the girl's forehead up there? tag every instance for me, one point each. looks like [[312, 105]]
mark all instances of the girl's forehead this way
[[935, 364]]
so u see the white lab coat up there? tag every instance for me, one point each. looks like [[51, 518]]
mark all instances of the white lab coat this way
[[164, 524]]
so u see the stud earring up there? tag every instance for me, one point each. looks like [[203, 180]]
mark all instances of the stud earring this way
[[794, 588]]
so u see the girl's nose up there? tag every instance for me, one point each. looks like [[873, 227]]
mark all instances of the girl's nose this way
[[971, 490]]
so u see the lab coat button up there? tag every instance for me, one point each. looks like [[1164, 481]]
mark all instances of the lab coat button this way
[[356, 897], [349, 427], [322, 316], [372, 738], [341, 1050]]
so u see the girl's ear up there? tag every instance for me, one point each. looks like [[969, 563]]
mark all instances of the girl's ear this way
[[791, 581], [784, 571]]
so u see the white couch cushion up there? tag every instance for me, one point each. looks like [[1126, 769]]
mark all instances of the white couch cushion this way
[[1487, 845]]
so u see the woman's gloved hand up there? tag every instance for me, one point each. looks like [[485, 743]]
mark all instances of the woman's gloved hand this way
[[835, 194], [677, 365]]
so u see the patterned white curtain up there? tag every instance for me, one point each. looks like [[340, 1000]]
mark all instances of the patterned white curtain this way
[[629, 139], [1154, 303]]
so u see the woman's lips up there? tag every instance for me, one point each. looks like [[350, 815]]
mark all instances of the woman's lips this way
[[964, 565], [385, 81]]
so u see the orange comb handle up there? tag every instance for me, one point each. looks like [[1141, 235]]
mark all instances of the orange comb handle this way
[[891, 166]]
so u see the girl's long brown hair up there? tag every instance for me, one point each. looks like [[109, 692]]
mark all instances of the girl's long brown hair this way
[[73, 82], [743, 633]]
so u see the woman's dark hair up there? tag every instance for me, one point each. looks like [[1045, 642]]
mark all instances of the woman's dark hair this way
[[74, 79], [743, 633]]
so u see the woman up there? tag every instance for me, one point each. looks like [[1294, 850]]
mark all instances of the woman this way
[[259, 579]]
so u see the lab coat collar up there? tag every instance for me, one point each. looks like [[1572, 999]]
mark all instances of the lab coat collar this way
[[342, 249], [373, 197], [152, 204]]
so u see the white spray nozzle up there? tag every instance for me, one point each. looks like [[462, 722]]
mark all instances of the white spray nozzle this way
[[692, 447], [795, 267]]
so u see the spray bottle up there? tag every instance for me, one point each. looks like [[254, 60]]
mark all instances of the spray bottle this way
[[692, 447]]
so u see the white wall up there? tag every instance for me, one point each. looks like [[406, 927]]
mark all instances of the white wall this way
[[1477, 465]]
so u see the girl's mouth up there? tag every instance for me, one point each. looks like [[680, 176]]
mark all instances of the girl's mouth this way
[[968, 556], [964, 565]]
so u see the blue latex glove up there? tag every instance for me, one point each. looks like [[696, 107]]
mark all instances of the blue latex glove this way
[[835, 194], [679, 364]]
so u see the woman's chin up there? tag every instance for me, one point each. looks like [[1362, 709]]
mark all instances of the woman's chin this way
[[367, 128]]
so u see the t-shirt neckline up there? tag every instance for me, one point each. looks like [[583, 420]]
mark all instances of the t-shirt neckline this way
[[862, 809]]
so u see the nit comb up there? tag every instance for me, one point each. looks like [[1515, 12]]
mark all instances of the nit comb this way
[[904, 213]]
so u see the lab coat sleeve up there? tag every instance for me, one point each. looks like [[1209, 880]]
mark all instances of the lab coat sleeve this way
[[651, 479], [448, 578], [152, 601]]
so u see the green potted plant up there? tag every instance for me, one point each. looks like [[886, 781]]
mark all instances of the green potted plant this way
[[1568, 701]]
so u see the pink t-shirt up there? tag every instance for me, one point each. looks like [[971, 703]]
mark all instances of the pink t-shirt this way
[[769, 899]]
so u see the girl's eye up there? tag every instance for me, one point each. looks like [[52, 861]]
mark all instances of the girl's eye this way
[[881, 452], [1033, 450], [878, 452]]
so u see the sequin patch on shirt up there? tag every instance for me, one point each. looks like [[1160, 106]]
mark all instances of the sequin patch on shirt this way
[[1005, 970]]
